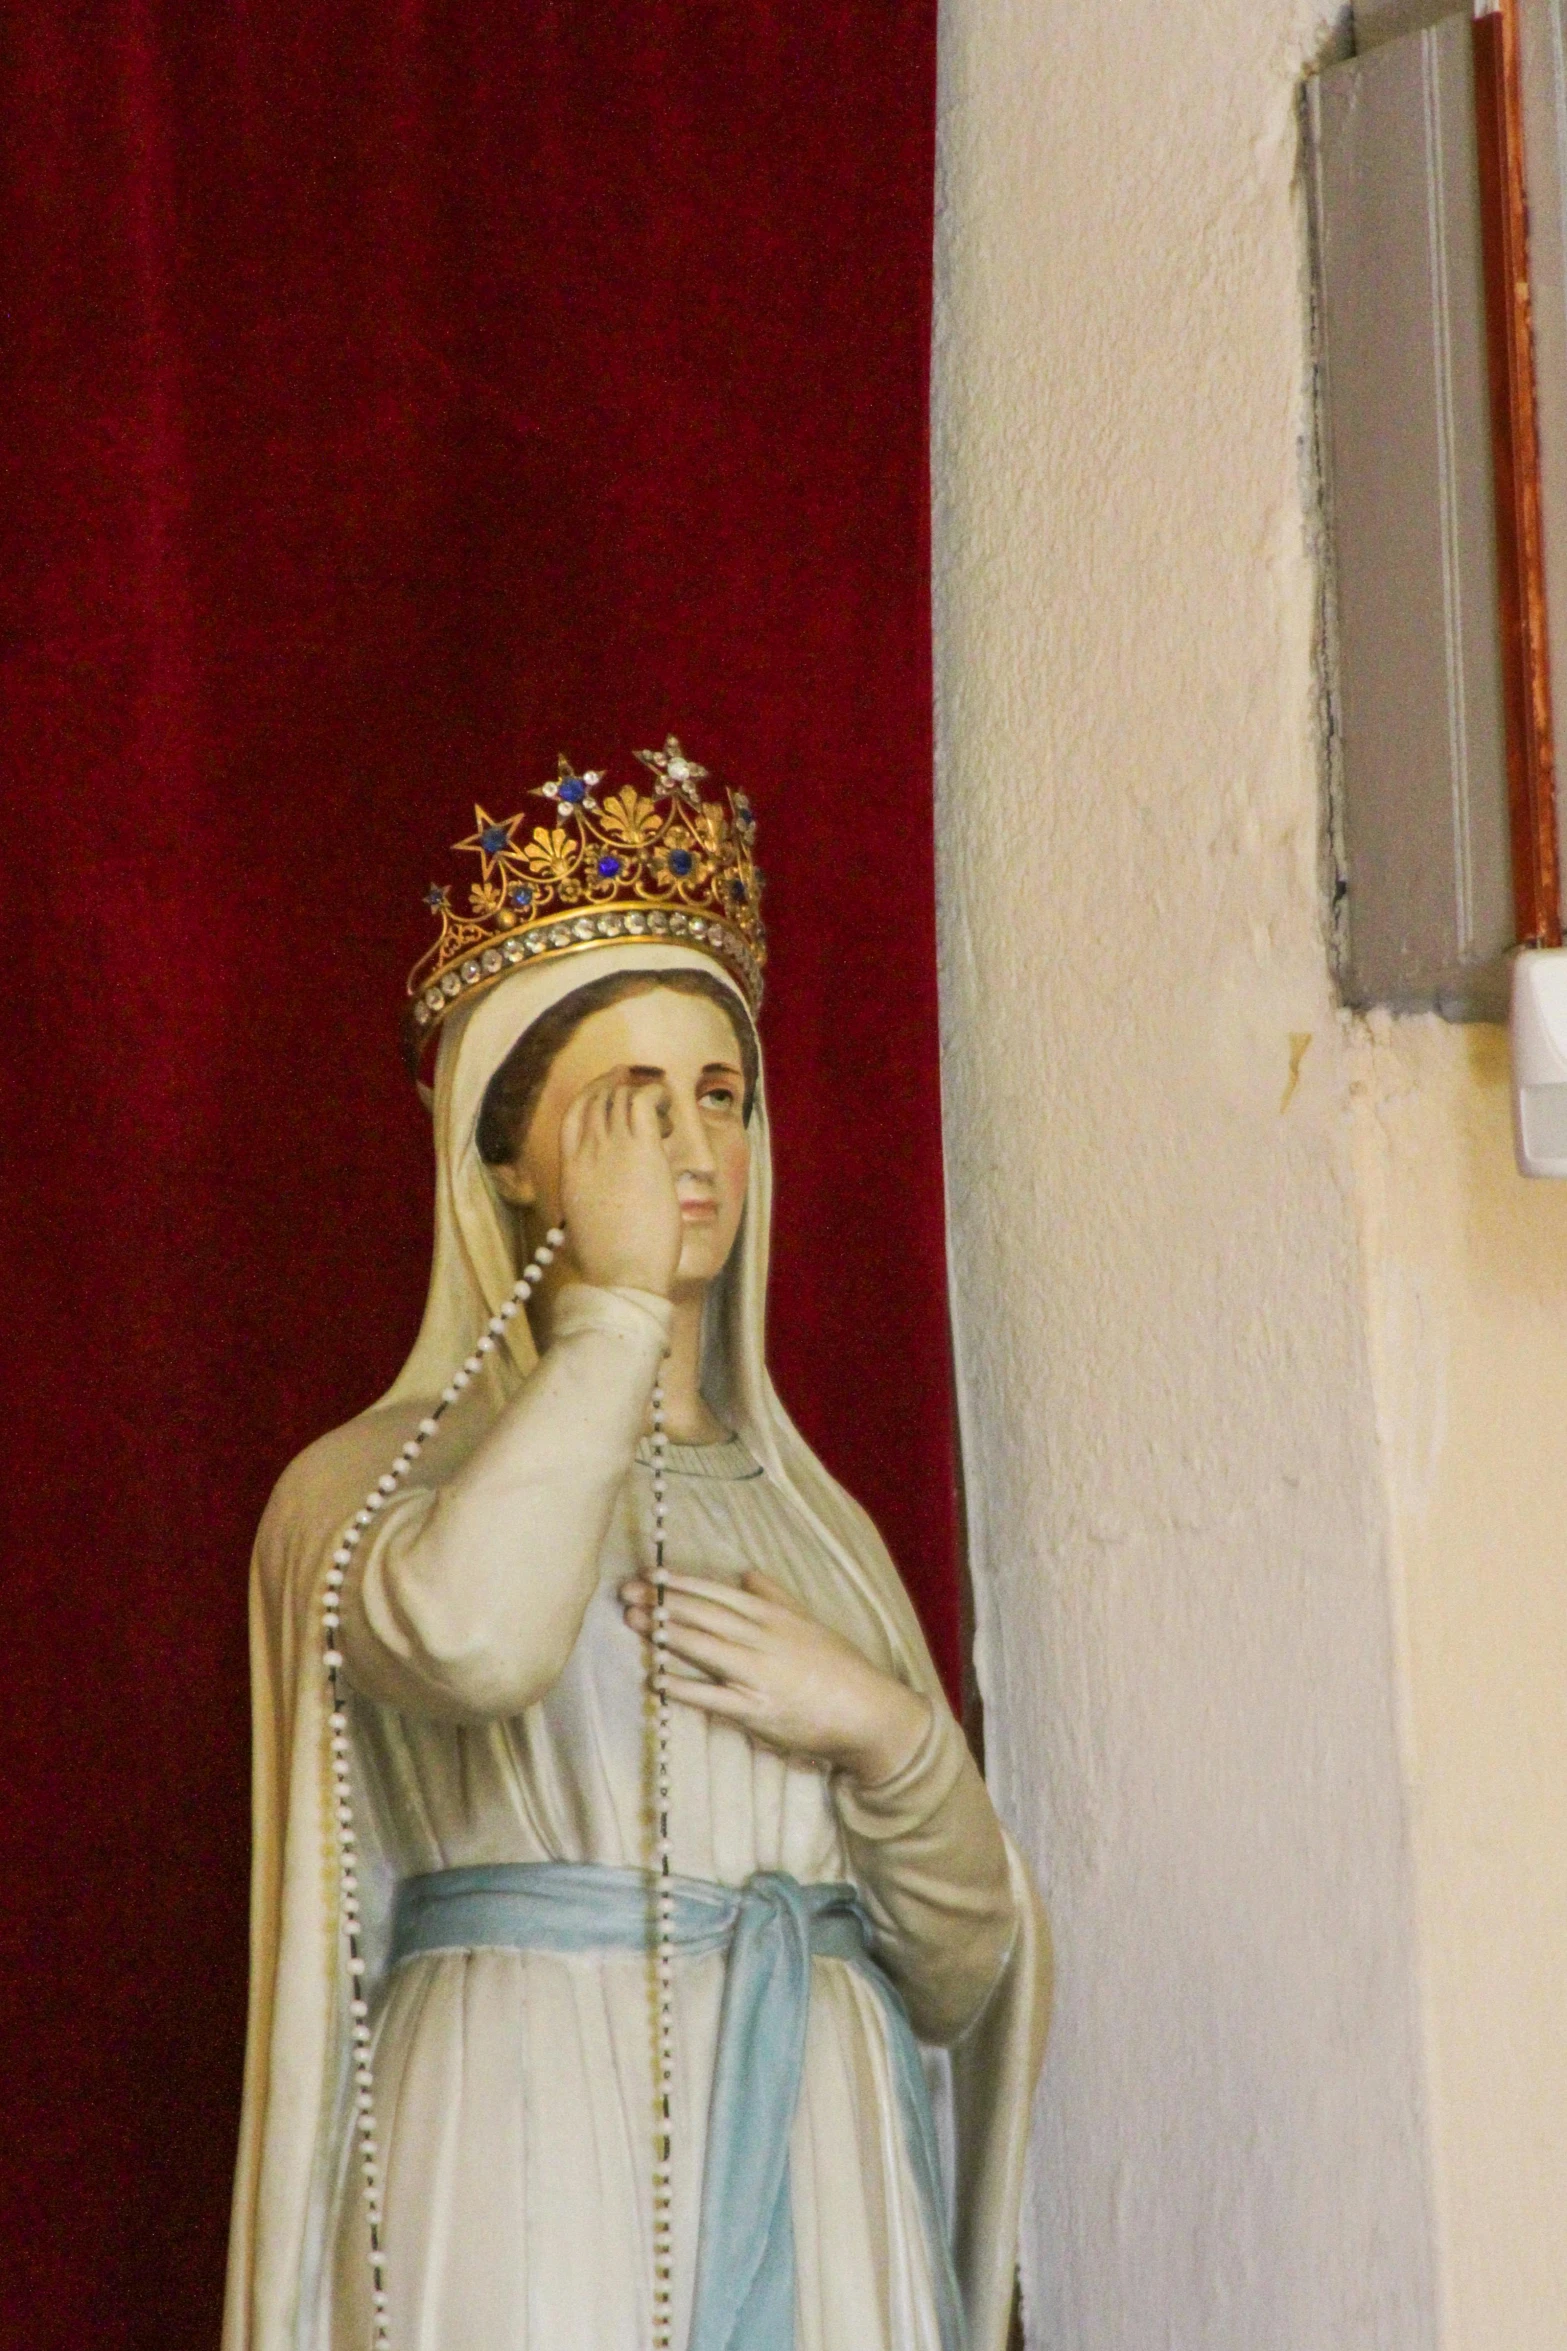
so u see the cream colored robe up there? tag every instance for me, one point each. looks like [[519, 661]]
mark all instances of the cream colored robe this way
[[496, 1719]]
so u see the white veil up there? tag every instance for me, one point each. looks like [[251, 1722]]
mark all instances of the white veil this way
[[295, 2053]]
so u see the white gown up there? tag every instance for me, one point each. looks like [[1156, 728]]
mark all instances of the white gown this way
[[497, 1718], [514, 2090]]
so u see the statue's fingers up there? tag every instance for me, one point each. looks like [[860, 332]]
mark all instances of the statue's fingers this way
[[716, 1593], [571, 1126], [711, 1697], [642, 1109], [724, 1624], [766, 1587], [725, 1659]]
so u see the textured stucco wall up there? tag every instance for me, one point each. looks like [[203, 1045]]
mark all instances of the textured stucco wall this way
[[1466, 1268], [1182, 1537]]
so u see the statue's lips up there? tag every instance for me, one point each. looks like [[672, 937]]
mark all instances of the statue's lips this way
[[698, 1211]]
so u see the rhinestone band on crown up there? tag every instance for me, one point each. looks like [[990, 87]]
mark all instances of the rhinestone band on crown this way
[[667, 865]]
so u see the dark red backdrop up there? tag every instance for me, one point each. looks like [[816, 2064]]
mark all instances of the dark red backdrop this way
[[397, 395]]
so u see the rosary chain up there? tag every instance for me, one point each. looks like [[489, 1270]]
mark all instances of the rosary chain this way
[[342, 1799], [664, 2051]]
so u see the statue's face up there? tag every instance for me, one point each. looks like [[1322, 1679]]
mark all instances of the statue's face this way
[[686, 1050]]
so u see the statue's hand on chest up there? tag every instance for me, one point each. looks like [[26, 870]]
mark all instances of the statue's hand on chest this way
[[754, 1655]]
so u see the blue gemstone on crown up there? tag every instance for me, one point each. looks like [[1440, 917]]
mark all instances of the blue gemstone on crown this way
[[435, 897], [494, 839], [522, 895], [609, 867], [737, 890], [572, 790], [680, 862]]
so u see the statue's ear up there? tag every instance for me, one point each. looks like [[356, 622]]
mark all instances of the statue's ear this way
[[513, 1185]]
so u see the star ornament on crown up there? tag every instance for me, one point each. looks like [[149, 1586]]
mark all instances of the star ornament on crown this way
[[667, 864]]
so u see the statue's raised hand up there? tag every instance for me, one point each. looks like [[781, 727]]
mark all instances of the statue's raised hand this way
[[617, 1191]]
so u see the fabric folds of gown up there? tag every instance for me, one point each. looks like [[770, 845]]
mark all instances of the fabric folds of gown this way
[[514, 2090]]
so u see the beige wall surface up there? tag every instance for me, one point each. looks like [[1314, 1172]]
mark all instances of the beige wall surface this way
[[1466, 1268], [1257, 1651]]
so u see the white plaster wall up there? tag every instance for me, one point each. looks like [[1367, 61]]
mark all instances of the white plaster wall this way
[[1467, 1307], [1181, 1533]]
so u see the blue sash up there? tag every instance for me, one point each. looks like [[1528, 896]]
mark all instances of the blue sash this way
[[772, 1927]]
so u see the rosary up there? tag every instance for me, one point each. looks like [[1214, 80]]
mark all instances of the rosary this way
[[347, 1847]]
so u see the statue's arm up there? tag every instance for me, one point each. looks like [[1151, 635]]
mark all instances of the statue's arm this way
[[471, 1597], [930, 1860]]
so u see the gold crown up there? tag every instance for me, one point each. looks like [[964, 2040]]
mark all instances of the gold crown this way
[[666, 864]]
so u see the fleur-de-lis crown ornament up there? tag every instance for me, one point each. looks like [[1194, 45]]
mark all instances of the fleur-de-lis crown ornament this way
[[667, 863]]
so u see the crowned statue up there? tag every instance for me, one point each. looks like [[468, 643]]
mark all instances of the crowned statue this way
[[637, 1962]]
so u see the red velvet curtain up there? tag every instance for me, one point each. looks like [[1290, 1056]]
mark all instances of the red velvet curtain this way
[[395, 396]]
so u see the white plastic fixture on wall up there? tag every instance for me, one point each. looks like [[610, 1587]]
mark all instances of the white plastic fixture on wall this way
[[1539, 1041]]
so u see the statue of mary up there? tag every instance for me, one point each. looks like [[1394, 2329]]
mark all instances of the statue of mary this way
[[636, 1958]]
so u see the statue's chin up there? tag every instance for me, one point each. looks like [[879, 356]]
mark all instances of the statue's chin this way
[[703, 1256]]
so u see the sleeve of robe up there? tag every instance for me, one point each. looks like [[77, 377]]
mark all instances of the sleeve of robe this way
[[933, 1871], [471, 1595], [961, 1931]]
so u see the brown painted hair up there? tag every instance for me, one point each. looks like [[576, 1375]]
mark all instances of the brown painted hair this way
[[512, 1095]]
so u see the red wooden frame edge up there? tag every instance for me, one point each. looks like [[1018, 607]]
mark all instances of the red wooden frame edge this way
[[1526, 669]]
